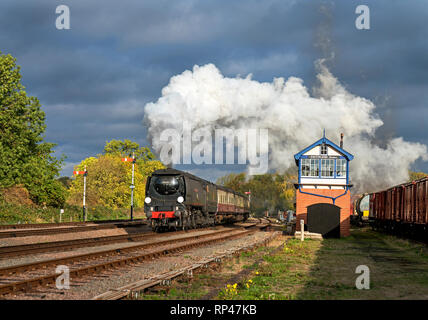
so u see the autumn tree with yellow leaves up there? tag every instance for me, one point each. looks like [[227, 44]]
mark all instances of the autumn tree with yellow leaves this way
[[269, 192], [108, 181]]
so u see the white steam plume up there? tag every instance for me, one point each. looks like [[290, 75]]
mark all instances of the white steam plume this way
[[294, 118]]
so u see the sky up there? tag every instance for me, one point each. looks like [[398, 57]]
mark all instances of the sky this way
[[94, 80]]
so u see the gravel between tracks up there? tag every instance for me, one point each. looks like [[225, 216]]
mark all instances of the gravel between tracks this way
[[62, 254], [90, 286], [72, 236]]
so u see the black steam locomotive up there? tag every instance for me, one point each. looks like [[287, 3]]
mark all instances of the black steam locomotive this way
[[177, 200]]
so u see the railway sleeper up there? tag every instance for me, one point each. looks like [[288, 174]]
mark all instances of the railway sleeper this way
[[91, 269]]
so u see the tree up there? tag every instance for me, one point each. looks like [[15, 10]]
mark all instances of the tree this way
[[126, 148], [109, 178], [24, 157], [234, 181], [66, 182], [270, 192], [416, 175], [288, 189]]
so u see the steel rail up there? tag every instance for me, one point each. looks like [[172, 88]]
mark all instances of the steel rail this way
[[33, 248], [29, 284], [58, 224], [81, 257], [140, 285], [67, 229], [41, 247]]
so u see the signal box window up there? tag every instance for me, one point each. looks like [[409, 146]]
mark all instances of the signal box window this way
[[341, 168], [323, 149], [327, 167], [310, 167]]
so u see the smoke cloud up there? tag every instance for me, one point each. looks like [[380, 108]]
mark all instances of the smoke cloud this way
[[295, 119]]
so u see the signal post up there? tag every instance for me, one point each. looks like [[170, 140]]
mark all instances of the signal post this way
[[133, 160], [85, 173]]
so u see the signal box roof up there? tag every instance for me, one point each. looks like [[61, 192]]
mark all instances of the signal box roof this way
[[327, 142]]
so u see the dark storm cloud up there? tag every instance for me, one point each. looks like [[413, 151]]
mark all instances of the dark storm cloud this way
[[395, 43], [94, 80]]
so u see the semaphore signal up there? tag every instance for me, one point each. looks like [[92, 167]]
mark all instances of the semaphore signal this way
[[85, 173], [133, 160], [249, 196]]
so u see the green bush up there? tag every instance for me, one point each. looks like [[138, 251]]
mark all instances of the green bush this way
[[13, 214], [51, 193]]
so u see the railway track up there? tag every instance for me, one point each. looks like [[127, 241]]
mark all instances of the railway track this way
[[53, 246], [135, 288], [26, 277], [68, 229], [60, 224]]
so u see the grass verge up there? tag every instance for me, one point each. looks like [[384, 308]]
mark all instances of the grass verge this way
[[314, 269]]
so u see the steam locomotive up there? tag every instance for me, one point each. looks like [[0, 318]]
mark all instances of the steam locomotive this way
[[178, 200]]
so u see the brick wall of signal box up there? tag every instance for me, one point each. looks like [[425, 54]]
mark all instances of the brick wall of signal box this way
[[344, 202]]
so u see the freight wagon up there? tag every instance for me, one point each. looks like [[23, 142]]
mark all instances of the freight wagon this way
[[402, 209]]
